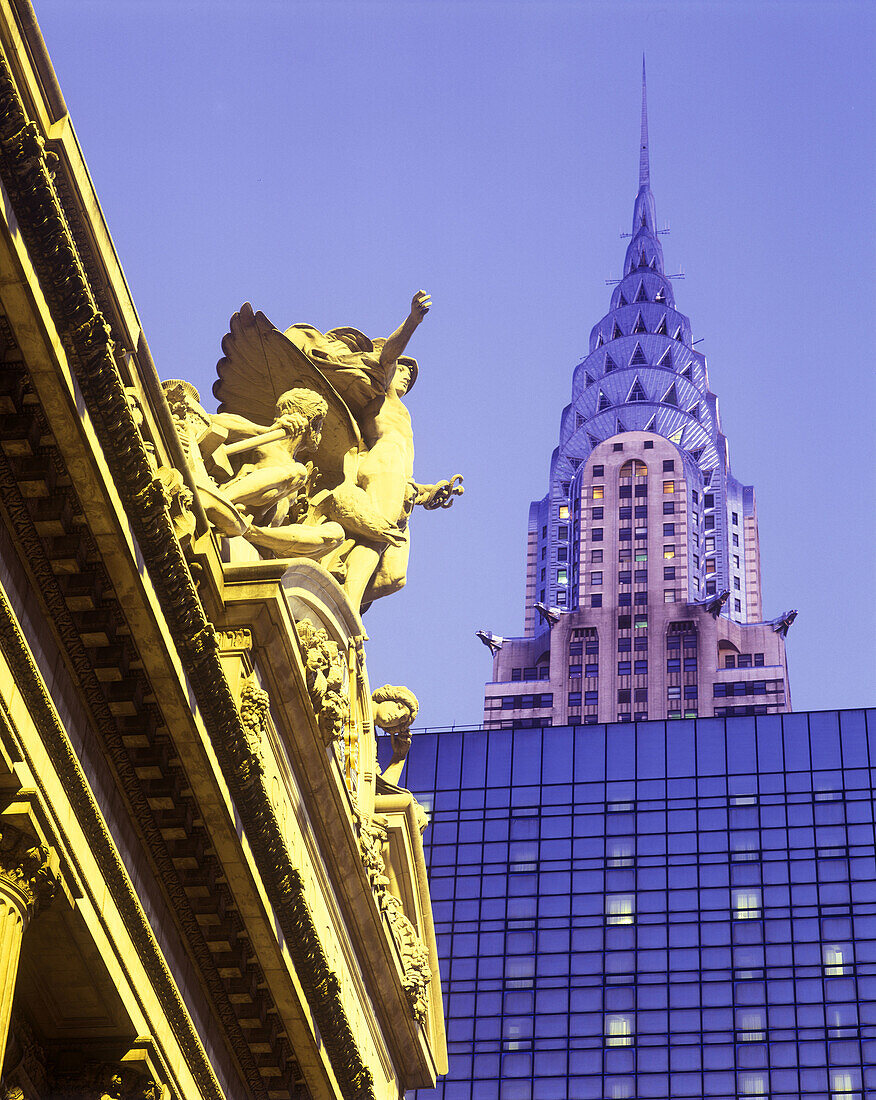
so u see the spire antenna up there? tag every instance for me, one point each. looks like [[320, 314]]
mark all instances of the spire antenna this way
[[644, 164]]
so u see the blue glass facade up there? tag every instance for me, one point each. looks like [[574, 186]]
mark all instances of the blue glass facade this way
[[678, 909]]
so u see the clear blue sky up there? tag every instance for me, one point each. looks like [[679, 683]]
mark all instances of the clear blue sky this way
[[326, 160]]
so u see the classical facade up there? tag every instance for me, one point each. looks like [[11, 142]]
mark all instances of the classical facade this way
[[643, 591], [656, 909], [207, 887]]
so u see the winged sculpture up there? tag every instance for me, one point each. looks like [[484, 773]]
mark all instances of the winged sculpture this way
[[335, 398]]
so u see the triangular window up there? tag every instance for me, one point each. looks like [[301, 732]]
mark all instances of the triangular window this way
[[610, 364], [675, 437], [670, 397], [579, 420], [576, 462], [686, 373], [638, 357], [639, 326], [636, 393], [677, 333], [696, 455], [665, 359], [694, 411], [604, 402], [599, 340], [651, 426], [616, 332], [622, 300], [641, 296], [587, 378], [594, 442], [660, 296], [618, 427], [643, 260], [661, 328]]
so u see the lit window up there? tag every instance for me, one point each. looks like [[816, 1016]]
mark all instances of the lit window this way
[[746, 904], [564, 511], [710, 565], [835, 963], [752, 1084], [619, 909], [668, 551], [668, 486], [641, 555], [562, 576], [669, 595], [642, 622], [750, 1024], [618, 1031], [842, 1084], [619, 853], [598, 492]]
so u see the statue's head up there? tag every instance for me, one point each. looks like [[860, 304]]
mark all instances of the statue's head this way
[[405, 375], [395, 708], [307, 408]]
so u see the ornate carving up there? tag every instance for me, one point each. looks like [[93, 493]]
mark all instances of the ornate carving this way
[[416, 968], [415, 958], [325, 673], [254, 711], [25, 867], [234, 640]]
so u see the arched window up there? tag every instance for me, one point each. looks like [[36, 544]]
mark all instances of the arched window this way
[[634, 468]]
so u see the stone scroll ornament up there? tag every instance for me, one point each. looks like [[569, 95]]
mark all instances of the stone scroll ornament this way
[[355, 499]]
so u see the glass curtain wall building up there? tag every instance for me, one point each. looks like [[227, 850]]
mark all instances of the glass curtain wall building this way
[[655, 909]]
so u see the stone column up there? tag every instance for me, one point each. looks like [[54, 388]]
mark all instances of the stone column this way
[[26, 882]]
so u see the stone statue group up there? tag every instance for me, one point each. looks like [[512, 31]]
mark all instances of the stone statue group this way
[[311, 451]]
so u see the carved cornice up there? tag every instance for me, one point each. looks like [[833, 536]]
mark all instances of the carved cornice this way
[[87, 340], [30, 683], [25, 868]]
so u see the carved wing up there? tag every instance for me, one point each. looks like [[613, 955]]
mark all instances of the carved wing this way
[[259, 364]]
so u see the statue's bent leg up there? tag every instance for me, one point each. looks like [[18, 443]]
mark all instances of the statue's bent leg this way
[[391, 574], [361, 564]]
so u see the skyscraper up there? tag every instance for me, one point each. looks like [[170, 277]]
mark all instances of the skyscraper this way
[[643, 589]]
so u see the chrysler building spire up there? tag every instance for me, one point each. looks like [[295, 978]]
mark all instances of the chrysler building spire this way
[[644, 166]]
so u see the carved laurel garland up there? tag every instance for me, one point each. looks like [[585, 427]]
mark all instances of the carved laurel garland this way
[[417, 970], [88, 342]]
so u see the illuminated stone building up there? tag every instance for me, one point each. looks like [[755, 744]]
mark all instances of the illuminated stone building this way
[[207, 889], [644, 553]]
